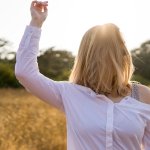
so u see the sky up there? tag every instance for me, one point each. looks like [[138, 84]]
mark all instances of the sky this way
[[68, 20]]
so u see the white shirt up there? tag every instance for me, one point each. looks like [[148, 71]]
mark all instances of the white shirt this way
[[94, 122]]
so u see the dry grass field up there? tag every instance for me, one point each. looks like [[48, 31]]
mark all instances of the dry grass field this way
[[26, 123]]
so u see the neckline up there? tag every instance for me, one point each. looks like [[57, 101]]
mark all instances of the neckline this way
[[118, 102], [92, 93]]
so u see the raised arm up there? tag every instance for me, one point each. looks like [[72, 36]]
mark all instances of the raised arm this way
[[26, 68]]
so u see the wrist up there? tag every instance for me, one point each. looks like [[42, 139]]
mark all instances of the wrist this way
[[36, 23]]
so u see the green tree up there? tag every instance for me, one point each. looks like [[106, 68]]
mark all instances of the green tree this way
[[141, 60], [56, 64], [7, 77]]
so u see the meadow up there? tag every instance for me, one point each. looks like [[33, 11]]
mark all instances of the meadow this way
[[27, 123]]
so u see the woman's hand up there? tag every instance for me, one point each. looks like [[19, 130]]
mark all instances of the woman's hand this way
[[39, 13]]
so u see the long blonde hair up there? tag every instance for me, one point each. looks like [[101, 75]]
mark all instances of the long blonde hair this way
[[103, 62]]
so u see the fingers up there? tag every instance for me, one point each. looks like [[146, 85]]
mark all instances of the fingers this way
[[33, 3], [40, 5], [45, 9], [43, 3]]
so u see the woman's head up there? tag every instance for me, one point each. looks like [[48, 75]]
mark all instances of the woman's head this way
[[103, 62]]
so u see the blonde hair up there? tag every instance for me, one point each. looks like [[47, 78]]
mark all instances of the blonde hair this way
[[103, 62]]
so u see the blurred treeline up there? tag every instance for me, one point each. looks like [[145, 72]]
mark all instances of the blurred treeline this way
[[56, 64]]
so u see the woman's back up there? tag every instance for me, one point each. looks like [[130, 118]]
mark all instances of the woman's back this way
[[94, 121], [102, 109]]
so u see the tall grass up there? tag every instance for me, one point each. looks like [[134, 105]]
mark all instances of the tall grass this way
[[27, 123]]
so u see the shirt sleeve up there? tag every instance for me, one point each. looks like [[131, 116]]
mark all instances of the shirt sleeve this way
[[27, 70]]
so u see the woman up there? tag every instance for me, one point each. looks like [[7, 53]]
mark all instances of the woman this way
[[104, 111]]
